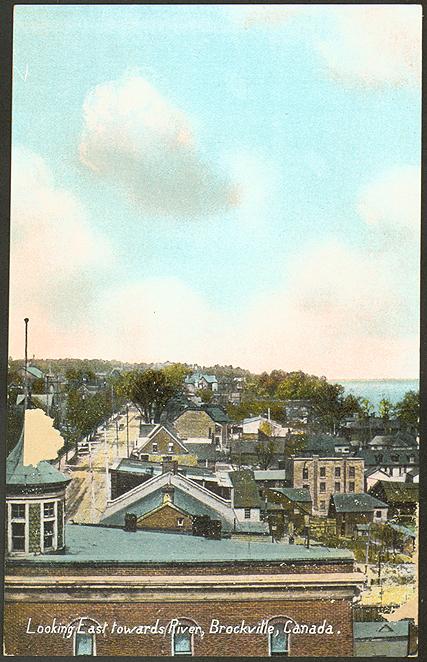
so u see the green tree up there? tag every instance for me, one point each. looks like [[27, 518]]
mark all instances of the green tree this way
[[384, 410], [408, 410], [150, 391], [265, 450], [205, 394]]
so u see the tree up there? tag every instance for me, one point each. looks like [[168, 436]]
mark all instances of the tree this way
[[408, 409], [151, 390], [205, 394], [384, 410], [265, 451]]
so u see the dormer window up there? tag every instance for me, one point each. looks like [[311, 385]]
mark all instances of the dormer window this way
[[155, 447]]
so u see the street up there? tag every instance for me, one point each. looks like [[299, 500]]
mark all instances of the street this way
[[87, 493]]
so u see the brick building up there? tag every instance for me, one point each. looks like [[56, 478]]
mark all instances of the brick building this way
[[298, 601], [325, 476]]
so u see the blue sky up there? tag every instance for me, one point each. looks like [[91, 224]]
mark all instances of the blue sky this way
[[293, 121]]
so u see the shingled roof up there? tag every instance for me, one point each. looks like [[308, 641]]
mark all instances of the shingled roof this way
[[297, 494], [246, 493], [356, 503]]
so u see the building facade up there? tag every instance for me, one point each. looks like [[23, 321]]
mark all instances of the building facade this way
[[324, 476]]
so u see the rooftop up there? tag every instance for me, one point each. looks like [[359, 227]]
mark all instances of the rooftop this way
[[297, 494], [43, 473], [246, 493], [380, 630], [397, 492], [356, 503], [86, 543], [269, 474]]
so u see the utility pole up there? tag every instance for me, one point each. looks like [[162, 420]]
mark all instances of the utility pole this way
[[26, 320], [106, 460], [127, 428], [92, 485]]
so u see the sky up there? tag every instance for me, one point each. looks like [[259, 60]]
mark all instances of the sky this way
[[231, 184]]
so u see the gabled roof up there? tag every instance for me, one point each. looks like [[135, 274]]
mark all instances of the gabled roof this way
[[384, 457], [34, 372], [245, 491], [356, 503], [216, 414], [397, 492], [380, 630], [170, 431], [296, 494]]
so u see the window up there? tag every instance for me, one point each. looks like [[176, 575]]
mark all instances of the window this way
[[378, 514], [337, 472], [247, 513], [322, 472], [48, 534], [170, 447], [305, 473], [322, 505], [18, 511], [306, 487], [351, 472], [18, 536], [322, 487], [155, 447], [395, 458], [84, 638], [84, 644], [182, 638], [18, 525], [49, 509], [180, 521], [351, 486], [337, 487], [278, 640]]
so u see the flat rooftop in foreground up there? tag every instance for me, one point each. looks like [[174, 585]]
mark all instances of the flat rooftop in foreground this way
[[85, 543]]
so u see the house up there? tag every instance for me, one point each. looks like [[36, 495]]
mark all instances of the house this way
[[204, 422], [395, 463], [296, 507], [201, 381], [251, 426], [298, 412], [245, 498], [239, 512], [381, 639], [165, 583], [412, 476], [266, 478], [401, 498], [363, 429], [247, 452], [128, 473], [324, 476], [399, 441], [351, 510], [373, 475], [161, 442]]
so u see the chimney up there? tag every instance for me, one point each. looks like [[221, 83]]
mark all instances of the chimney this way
[[169, 465], [130, 522]]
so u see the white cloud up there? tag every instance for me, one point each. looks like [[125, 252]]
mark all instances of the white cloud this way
[[392, 202], [136, 139], [56, 257], [344, 311], [374, 45], [367, 45]]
